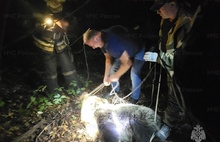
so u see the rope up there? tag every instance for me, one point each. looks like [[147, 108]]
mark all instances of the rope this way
[[87, 66], [158, 94], [157, 102], [140, 83], [75, 42], [76, 9], [116, 99], [97, 89], [113, 89], [152, 137], [153, 86], [182, 107]]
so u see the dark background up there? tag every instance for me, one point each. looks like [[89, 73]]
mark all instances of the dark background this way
[[19, 55], [20, 63]]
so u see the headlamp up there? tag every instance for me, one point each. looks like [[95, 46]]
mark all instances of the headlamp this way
[[49, 21]]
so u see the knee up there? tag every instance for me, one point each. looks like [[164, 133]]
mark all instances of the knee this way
[[135, 76]]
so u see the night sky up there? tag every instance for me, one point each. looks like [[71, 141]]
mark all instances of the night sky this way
[[19, 57]]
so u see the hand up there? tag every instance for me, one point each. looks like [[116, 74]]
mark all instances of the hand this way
[[106, 82], [113, 78], [150, 56]]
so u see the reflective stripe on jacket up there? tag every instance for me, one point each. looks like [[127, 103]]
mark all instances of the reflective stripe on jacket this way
[[50, 38], [49, 45]]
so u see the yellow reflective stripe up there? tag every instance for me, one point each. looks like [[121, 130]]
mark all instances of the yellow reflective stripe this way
[[50, 49], [48, 46], [61, 43], [61, 47], [47, 43], [42, 42]]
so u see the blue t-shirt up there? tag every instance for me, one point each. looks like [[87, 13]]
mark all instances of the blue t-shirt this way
[[118, 39]]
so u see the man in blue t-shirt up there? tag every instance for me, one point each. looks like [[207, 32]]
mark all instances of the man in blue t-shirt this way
[[118, 43]]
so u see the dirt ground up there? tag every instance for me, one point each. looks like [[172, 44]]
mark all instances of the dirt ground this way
[[58, 123]]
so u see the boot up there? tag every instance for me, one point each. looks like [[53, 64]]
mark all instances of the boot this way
[[52, 84]]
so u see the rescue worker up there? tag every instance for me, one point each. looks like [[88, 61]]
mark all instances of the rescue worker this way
[[121, 54], [175, 24], [51, 39]]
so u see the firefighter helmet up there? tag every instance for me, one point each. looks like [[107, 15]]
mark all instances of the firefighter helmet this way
[[55, 5]]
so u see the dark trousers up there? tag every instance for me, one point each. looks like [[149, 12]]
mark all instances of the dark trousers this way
[[50, 67], [173, 114]]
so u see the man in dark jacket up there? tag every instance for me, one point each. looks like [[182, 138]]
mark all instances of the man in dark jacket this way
[[127, 52]]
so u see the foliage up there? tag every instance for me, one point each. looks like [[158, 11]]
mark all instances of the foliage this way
[[75, 90], [2, 103], [56, 98], [40, 89], [61, 110], [42, 102]]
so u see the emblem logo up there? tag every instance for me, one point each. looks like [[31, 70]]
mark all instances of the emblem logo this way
[[198, 134]]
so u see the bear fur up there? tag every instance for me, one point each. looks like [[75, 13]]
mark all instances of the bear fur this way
[[118, 122]]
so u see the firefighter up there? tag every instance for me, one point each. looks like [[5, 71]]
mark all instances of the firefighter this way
[[51, 39]]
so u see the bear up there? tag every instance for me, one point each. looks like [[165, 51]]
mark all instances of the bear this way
[[123, 122]]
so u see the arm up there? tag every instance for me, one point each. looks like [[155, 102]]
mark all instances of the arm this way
[[166, 58], [108, 66], [174, 42], [124, 67]]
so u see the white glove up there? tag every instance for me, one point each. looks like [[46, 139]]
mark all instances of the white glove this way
[[150, 56]]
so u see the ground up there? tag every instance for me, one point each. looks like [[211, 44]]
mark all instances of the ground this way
[[22, 120], [23, 116], [26, 112], [23, 123]]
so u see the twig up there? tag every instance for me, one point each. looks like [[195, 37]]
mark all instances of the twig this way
[[30, 132], [43, 131]]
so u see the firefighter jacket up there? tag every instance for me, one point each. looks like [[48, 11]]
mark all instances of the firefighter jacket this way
[[174, 39], [50, 38]]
